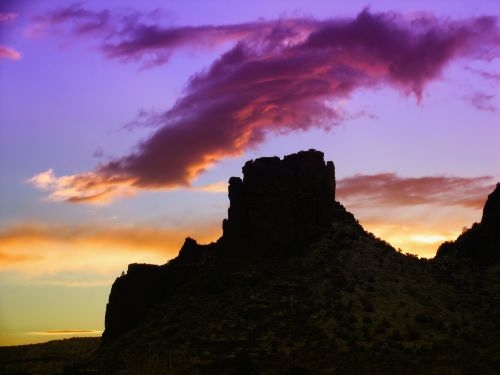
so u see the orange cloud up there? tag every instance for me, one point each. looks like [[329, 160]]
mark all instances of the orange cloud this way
[[87, 255], [83, 188], [281, 76], [98, 189], [216, 187], [15, 258]]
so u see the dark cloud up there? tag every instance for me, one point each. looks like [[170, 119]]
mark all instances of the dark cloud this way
[[281, 77], [98, 153], [389, 189], [136, 36], [83, 21]]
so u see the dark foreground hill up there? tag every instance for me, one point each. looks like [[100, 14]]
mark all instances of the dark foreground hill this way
[[53, 357], [296, 286]]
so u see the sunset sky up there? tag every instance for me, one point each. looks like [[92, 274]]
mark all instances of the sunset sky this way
[[121, 122]]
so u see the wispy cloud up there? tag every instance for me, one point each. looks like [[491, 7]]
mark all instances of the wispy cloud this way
[[7, 17], [82, 188], [9, 53], [66, 332], [416, 214], [216, 187], [88, 255], [483, 101], [131, 35], [490, 76], [389, 189], [6, 52], [279, 77]]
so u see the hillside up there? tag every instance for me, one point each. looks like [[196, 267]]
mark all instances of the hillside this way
[[53, 357], [296, 286]]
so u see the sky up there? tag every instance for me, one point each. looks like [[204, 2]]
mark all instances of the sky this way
[[121, 122]]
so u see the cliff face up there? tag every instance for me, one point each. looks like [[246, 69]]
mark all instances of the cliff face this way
[[277, 209], [280, 206], [296, 286], [131, 296]]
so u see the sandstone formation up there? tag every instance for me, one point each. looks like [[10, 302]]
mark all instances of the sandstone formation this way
[[296, 286], [280, 206], [277, 209]]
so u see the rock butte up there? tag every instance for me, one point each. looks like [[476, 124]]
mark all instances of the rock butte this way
[[296, 281]]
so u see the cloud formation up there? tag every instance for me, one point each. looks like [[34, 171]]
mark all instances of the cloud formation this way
[[82, 188], [7, 17], [9, 53], [389, 190], [490, 76], [73, 255], [137, 36], [66, 332], [483, 101], [279, 77], [416, 214]]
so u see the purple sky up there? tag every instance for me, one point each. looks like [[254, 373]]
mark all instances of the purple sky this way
[[119, 127]]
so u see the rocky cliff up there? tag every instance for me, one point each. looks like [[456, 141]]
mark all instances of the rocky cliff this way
[[277, 209], [296, 286], [280, 206]]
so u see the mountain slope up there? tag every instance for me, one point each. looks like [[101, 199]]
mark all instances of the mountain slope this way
[[480, 243], [295, 285]]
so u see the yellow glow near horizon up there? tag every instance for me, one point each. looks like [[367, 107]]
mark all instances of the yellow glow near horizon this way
[[35, 250], [54, 278], [423, 244], [66, 271]]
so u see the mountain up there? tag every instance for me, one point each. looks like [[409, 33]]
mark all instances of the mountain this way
[[295, 285]]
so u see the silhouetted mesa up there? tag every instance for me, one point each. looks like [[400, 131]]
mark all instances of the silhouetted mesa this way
[[296, 285], [280, 206]]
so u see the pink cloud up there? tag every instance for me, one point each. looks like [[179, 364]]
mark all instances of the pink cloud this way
[[389, 189], [7, 17], [281, 77], [9, 53]]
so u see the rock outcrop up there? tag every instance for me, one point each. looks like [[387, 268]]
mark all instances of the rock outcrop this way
[[131, 296], [296, 286], [280, 206], [277, 209]]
